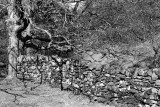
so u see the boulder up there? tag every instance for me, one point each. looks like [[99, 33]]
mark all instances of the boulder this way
[[157, 82]]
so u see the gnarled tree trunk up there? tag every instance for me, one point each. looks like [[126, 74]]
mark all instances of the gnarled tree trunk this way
[[13, 41]]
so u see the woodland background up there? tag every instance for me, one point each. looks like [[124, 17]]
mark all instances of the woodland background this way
[[127, 30], [103, 23]]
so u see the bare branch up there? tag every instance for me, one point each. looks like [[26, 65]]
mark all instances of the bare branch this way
[[46, 31], [2, 5], [5, 6]]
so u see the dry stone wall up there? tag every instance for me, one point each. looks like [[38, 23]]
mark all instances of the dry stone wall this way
[[103, 78]]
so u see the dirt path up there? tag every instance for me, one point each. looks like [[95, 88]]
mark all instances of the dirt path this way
[[42, 96]]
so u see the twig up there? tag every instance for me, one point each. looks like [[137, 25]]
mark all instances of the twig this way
[[2, 5], [49, 34], [68, 41]]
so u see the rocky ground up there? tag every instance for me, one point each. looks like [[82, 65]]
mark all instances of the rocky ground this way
[[42, 96], [116, 78], [131, 77]]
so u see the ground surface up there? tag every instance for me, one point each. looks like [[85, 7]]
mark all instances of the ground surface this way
[[42, 96]]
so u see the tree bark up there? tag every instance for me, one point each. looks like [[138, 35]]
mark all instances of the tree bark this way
[[13, 41]]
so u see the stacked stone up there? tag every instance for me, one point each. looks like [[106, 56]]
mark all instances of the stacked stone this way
[[36, 67], [136, 85]]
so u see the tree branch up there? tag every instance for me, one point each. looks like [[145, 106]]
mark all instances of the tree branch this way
[[46, 31]]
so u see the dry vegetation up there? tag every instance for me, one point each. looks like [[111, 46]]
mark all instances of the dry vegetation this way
[[119, 38]]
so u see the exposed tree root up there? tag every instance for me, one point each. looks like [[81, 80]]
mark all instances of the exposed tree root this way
[[15, 95]]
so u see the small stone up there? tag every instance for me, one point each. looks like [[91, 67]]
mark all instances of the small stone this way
[[157, 82], [66, 84], [90, 52], [123, 83], [143, 64], [149, 72], [157, 71], [107, 75], [133, 90], [135, 73], [154, 90], [141, 72], [153, 102], [145, 89], [151, 97], [100, 84], [111, 83], [76, 85], [154, 76], [97, 57], [159, 92], [154, 105], [147, 105], [127, 73], [33, 67], [140, 105], [139, 77]]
